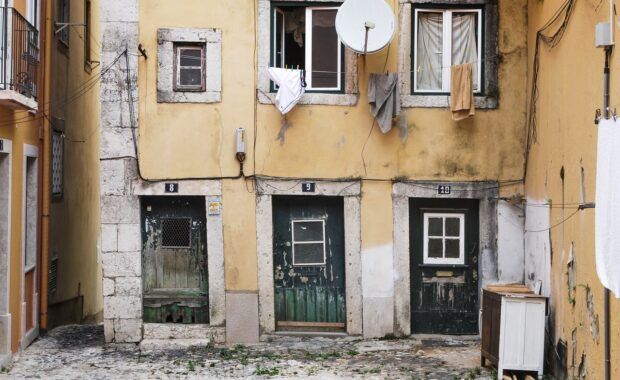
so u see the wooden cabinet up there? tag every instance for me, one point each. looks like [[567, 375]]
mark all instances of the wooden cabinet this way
[[513, 329]]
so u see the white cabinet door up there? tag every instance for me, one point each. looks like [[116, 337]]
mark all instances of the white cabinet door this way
[[522, 334]]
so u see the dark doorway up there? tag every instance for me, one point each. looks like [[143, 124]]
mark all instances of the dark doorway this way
[[444, 266], [308, 263], [174, 260]]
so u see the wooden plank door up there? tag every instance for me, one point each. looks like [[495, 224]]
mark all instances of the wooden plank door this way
[[174, 257], [308, 257], [444, 266]]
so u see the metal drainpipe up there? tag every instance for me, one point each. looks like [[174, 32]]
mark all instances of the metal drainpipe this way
[[608, 50]]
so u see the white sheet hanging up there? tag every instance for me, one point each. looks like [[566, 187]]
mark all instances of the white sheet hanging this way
[[290, 87], [607, 236]]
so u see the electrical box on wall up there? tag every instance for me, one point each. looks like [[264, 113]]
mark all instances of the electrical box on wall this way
[[240, 140], [604, 34]]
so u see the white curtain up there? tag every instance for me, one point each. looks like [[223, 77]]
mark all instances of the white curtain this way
[[429, 51], [464, 42]]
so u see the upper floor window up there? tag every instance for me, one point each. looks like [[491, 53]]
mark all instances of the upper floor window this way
[[305, 37], [189, 72], [87, 47], [63, 18], [443, 38], [189, 65]]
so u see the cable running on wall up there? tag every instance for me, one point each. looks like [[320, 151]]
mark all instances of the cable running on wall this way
[[562, 15]]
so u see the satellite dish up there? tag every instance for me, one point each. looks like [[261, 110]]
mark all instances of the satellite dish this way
[[365, 26]]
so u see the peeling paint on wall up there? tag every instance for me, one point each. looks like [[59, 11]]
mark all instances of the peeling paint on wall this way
[[592, 315], [571, 276]]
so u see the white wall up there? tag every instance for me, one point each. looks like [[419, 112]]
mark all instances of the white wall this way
[[537, 246], [510, 244]]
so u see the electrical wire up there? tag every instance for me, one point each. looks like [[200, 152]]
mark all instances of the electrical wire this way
[[555, 225], [551, 40]]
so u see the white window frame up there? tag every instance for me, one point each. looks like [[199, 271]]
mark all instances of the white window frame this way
[[201, 65], [308, 48], [293, 242], [447, 47], [443, 260]]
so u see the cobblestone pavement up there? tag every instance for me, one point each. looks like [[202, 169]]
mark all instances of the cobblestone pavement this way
[[78, 352]]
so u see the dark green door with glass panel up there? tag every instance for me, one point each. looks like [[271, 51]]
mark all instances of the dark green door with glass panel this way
[[174, 260], [308, 263], [444, 266]]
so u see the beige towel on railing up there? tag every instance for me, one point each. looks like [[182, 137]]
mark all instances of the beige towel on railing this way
[[462, 92]]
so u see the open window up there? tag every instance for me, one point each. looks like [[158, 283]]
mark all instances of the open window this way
[[87, 47], [63, 18], [305, 37], [443, 38]]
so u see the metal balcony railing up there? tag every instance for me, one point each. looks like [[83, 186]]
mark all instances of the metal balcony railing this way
[[19, 53]]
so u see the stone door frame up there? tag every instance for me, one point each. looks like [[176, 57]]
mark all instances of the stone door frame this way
[[350, 191]]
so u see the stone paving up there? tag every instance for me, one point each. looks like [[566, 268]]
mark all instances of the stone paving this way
[[78, 352]]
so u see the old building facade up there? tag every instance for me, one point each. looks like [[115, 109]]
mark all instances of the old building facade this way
[[316, 233], [23, 170], [327, 225]]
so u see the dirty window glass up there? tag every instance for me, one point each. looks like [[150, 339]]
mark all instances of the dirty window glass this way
[[190, 68], [308, 242], [325, 47], [308, 231]]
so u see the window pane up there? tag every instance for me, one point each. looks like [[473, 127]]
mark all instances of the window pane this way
[[308, 231], [324, 49], [309, 254], [435, 248], [453, 248], [465, 41], [429, 53], [453, 227], [190, 77], [191, 57], [435, 226], [279, 38]]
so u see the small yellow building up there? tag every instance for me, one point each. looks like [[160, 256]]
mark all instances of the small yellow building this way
[[23, 149]]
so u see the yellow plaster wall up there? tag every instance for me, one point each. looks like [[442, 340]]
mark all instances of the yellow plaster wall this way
[[197, 140], [75, 217], [571, 88], [21, 128]]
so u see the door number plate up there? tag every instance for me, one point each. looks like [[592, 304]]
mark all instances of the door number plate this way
[[444, 190], [308, 187], [172, 187]]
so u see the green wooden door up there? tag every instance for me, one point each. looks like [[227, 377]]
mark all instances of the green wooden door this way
[[308, 263], [444, 266], [174, 260]]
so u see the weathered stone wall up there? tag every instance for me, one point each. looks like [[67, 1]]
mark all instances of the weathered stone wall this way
[[120, 212]]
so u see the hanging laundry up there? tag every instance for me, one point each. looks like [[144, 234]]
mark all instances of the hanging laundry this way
[[462, 102], [384, 98], [607, 235], [290, 87]]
